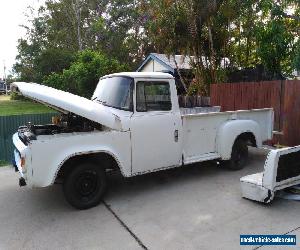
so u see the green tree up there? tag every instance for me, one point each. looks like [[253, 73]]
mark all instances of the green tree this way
[[61, 28], [219, 35], [274, 47], [84, 73], [187, 27], [296, 59], [277, 37]]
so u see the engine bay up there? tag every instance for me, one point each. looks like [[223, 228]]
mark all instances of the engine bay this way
[[63, 123]]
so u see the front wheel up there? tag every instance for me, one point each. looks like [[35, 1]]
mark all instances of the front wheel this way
[[239, 155], [85, 185]]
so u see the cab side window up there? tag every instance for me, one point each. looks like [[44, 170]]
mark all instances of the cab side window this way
[[153, 96]]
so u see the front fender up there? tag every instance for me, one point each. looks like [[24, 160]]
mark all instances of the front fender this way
[[50, 153], [230, 130], [105, 150]]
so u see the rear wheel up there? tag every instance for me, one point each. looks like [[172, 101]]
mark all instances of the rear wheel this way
[[239, 155], [85, 185]]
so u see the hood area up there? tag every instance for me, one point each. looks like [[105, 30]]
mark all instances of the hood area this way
[[69, 103]]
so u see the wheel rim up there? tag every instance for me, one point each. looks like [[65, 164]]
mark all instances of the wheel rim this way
[[87, 184]]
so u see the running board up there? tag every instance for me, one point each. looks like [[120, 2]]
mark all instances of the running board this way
[[204, 157]]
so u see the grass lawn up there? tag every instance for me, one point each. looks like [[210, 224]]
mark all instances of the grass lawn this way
[[16, 107], [3, 163]]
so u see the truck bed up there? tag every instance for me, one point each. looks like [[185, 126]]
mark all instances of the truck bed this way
[[202, 129]]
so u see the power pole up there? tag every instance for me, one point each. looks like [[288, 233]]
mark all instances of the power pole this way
[[4, 76]]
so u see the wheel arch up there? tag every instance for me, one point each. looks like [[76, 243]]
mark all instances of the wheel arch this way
[[99, 156], [229, 132], [248, 137]]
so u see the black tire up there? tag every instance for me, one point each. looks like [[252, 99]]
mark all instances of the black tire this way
[[85, 185], [239, 155]]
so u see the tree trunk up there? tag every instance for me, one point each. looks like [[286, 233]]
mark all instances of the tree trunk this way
[[77, 5], [180, 76], [212, 54]]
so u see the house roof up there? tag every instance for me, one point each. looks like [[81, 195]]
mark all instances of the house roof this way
[[183, 62]]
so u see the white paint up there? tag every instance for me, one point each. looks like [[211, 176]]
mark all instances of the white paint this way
[[159, 67], [140, 142], [148, 67], [50, 152], [217, 131], [153, 142], [147, 75]]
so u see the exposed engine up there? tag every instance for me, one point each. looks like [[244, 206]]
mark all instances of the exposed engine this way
[[65, 123]]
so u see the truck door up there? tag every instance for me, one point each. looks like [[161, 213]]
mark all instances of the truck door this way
[[155, 127]]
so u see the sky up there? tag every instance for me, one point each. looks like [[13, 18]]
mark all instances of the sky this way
[[11, 17]]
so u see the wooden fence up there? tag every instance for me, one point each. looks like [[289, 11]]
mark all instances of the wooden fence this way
[[282, 96]]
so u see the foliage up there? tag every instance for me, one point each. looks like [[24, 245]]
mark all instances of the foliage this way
[[186, 27], [240, 33], [3, 163], [84, 73], [10, 78], [276, 41], [220, 35], [15, 96], [62, 28], [296, 59], [196, 88], [34, 65]]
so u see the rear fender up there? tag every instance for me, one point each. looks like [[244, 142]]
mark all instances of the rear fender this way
[[231, 130]]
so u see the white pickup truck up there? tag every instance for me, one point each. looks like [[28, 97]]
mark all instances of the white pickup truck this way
[[133, 123]]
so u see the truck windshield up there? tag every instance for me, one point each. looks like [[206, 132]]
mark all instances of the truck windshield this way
[[115, 92]]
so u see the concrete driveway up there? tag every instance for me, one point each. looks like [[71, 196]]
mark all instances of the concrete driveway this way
[[198, 207]]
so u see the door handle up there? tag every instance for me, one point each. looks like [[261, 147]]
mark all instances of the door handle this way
[[176, 135]]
